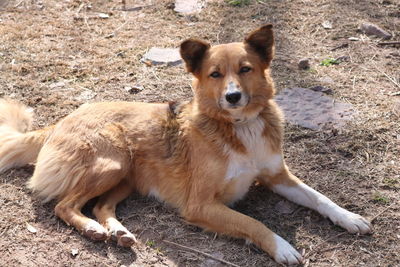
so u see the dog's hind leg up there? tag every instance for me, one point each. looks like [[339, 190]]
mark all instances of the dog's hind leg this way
[[103, 176], [105, 213]]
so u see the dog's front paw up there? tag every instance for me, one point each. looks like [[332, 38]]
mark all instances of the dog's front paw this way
[[352, 222], [285, 253], [95, 231]]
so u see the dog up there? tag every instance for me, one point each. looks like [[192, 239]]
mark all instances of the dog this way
[[200, 156]]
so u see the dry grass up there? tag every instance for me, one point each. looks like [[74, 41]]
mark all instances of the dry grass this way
[[52, 52]]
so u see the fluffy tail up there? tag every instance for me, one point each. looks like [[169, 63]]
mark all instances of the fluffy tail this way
[[18, 148]]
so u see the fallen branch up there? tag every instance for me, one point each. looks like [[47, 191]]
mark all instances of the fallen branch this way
[[201, 252]]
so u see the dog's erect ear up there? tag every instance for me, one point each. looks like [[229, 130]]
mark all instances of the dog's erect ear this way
[[262, 42], [192, 51]]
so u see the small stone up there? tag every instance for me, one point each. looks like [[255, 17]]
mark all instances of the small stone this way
[[74, 252], [304, 64], [31, 229], [134, 89], [188, 6], [343, 59], [322, 89], [327, 80], [353, 39], [157, 56], [372, 29], [103, 15], [56, 85], [86, 95], [209, 262], [327, 24]]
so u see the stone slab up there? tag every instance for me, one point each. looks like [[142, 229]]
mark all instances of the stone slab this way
[[313, 110], [157, 56]]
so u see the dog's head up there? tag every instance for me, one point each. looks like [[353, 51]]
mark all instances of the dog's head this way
[[232, 80]]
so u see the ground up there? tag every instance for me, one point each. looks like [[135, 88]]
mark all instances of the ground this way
[[56, 55]]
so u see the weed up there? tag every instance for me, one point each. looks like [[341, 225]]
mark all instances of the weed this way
[[328, 62], [238, 2], [380, 198], [150, 243]]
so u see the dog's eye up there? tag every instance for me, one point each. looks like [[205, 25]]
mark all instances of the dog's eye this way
[[215, 74], [245, 69]]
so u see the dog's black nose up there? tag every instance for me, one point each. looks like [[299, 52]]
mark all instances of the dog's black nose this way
[[233, 97]]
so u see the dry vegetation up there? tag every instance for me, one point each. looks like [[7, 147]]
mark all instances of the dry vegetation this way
[[56, 55]]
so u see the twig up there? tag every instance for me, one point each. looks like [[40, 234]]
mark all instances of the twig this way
[[389, 43], [317, 247], [380, 213], [393, 80], [201, 252]]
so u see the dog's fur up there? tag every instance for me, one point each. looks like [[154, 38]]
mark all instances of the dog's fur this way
[[198, 156]]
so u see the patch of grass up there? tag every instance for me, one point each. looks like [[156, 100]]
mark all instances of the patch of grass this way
[[328, 62], [238, 2], [380, 198], [150, 243]]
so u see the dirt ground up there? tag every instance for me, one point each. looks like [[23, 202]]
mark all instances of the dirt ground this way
[[56, 55]]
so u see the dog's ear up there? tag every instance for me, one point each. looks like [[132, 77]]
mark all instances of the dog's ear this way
[[262, 42], [192, 51]]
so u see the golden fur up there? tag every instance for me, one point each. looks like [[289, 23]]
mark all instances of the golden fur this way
[[197, 156]]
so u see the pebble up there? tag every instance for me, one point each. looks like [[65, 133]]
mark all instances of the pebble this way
[[157, 56], [313, 110], [323, 89], [304, 64], [372, 29]]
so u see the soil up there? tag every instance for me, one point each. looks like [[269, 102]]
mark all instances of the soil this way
[[57, 55]]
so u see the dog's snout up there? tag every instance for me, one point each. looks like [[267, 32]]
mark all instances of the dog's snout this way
[[233, 97]]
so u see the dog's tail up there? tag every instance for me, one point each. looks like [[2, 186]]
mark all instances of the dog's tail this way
[[17, 146]]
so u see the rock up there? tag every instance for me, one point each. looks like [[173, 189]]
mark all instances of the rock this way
[[56, 85], [86, 95], [134, 89], [313, 110], [372, 29], [322, 89], [304, 64], [327, 24], [157, 56], [342, 59], [74, 252], [353, 39], [103, 15], [31, 229], [188, 6], [326, 80]]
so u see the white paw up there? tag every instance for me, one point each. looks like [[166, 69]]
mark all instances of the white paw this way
[[120, 233], [95, 231], [352, 222], [285, 253]]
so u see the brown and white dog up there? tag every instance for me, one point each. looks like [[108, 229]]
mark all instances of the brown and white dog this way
[[198, 156]]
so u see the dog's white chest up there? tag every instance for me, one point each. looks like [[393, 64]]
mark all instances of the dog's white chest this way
[[243, 168]]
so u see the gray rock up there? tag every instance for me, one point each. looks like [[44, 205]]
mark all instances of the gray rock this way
[[134, 89], [188, 6], [304, 64], [313, 110], [372, 29], [157, 56]]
